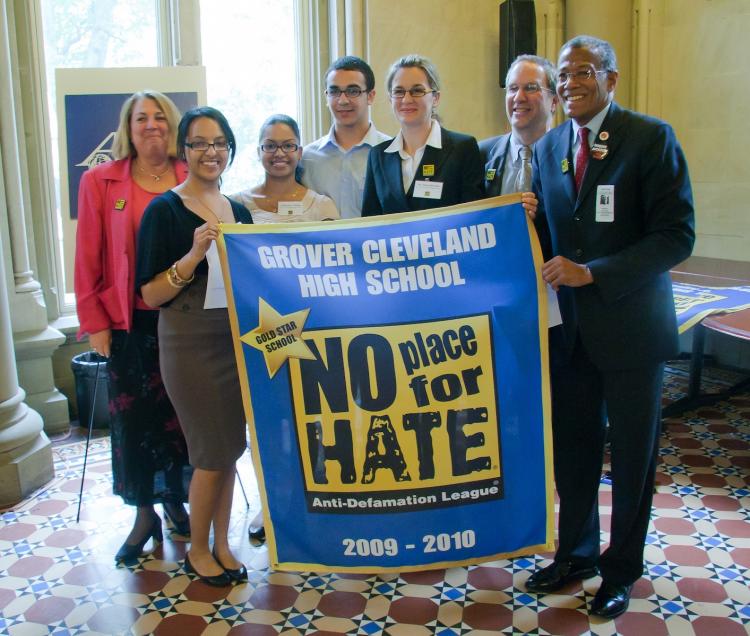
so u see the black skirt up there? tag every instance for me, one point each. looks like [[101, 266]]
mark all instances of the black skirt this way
[[149, 455]]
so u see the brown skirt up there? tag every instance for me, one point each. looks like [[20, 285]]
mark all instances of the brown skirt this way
[[200, 374]]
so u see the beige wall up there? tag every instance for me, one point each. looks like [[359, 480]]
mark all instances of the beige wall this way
[[461, 37], [681, 60], [611, 21], [705, 95]]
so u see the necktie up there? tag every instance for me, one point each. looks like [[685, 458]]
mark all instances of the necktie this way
[[523, 177], [582, 158]]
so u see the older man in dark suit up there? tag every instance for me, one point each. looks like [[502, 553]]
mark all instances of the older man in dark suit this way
[[530, 103], [615, 214]]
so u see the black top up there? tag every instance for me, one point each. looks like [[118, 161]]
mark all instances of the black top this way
[[457, 165], [166, 235]]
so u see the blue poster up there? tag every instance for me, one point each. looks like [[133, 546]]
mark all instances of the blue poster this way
[[90, 124], [694, 302], [394, 372]]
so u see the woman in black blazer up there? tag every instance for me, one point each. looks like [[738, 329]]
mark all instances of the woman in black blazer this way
[[425, 165]]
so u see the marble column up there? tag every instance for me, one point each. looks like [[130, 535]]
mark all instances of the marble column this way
[[646, 56], [355, 28], [25, 451], [34, 340], [550, 17]]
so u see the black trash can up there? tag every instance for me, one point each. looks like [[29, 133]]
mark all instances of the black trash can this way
[[84, 367]]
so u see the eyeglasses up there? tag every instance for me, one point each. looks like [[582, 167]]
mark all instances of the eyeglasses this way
[[580, 76], [530, 89], [352, 92], [203, 146], [271, 147], [414, 91]]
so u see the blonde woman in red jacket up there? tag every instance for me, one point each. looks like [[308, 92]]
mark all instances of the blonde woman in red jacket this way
[[149, 457]]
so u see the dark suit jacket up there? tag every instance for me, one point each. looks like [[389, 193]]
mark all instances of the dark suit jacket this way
[[493, 151], [626, 318], [457, 165]]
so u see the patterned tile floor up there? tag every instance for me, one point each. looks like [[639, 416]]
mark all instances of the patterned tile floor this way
[[58, 576]]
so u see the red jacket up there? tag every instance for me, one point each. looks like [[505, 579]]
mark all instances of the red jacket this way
[[105, 247]]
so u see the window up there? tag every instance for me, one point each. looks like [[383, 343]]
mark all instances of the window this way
[[90, 34], [249, 51]]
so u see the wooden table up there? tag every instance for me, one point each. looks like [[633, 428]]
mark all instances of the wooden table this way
[[711, 272]]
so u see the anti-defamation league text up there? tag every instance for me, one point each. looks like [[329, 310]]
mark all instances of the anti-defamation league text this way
[[405, 501]]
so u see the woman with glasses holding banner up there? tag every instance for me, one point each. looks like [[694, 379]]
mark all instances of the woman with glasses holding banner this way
[[178, 271], [282, 198], [149, 457], [425, 165]]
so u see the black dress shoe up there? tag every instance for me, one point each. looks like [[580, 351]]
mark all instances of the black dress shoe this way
[[257, 535], [217, 580], [558, 575], [180, 524], [129, 551], [237, 575], [611, 600]]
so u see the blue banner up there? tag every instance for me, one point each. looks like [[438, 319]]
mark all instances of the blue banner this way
[[394, 372], [694, 302]]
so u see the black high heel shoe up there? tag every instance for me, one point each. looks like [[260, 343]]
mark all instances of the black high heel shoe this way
[[130, 551], [257, 535], [238, 575], [217, 580], [181, 526]]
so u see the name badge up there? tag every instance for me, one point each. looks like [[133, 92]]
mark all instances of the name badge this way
[[605, 203], [428, 170], [290, 208], [428, 189]]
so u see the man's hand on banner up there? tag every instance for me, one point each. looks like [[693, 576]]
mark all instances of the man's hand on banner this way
[[530, 204]]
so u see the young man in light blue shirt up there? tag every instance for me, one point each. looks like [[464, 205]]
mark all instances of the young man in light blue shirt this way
[[335, 164]]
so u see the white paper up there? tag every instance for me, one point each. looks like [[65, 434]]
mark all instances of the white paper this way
[[553, 308], [216, 295]]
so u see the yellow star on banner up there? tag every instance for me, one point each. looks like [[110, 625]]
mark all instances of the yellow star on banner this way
[[278, 337]]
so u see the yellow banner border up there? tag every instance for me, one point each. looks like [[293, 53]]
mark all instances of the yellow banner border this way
[[391, 219]]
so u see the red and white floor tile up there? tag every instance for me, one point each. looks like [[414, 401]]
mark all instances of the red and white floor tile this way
[[58, 576]]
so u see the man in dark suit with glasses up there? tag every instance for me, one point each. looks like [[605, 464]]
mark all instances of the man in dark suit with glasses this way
[[615, 214], [530, 103]]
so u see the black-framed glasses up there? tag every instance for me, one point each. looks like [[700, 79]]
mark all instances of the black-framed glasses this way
[[582, 75], [271, 146], [530, 88], [414, 91], [352, 92], [202, 146]]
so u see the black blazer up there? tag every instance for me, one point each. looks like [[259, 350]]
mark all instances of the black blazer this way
[[457, 165], [626, 318], [493, 151]]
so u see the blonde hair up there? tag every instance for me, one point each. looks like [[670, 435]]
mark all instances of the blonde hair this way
[[122, 146], [415, 61]]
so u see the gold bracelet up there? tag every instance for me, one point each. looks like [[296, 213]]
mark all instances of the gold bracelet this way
[[170, 280], [175, 280]]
